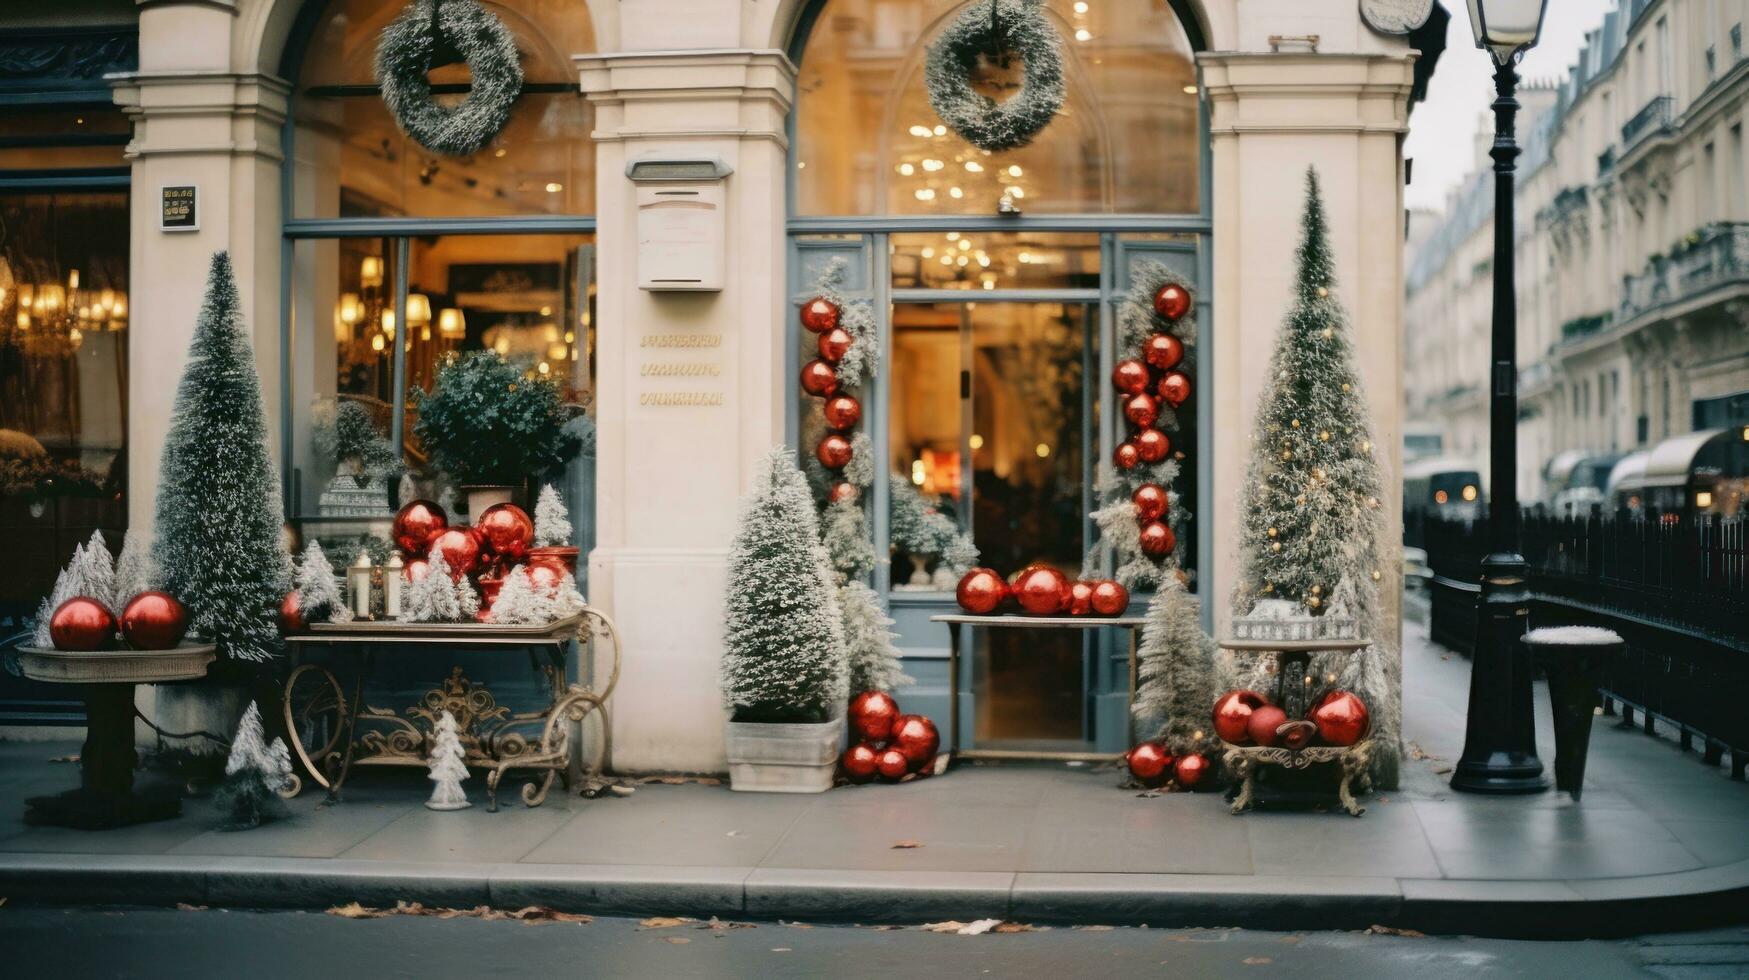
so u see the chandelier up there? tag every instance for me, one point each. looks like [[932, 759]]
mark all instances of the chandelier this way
[[48, 314]]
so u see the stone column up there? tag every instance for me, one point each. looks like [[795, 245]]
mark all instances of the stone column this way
[[675, 451]]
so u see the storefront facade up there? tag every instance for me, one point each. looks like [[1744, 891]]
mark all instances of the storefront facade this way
[[1182, 139]]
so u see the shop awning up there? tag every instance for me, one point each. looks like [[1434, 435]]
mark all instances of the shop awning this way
[[1561, 466], [1629, 473], [1671, 461]]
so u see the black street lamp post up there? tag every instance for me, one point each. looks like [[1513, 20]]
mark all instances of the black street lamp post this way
[[1500, 737]]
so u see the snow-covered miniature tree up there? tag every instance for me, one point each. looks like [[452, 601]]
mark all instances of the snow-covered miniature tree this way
[[845, 531], [97, 572], [1175, 679], [552, 526], [68, 584], [318, 589], [255, 775], [448, 766], [874, 660], [467, 600], [567, 601], [918, 525], [218, 510], [432, 599], [521, 604], [134, 571], [783, 647]]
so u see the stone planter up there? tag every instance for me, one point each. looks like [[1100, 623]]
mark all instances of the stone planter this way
[[768, 757]]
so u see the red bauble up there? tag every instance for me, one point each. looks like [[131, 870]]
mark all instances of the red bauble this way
[[1157, 539], [1152, 444], [154, 621], [1233, 714], [506, 533], [1080, 598], [1126, 456], [1141, 410], [1341, 717], [818, 378], [1175, 388], [842, 412], [1263, 723], [1299, 734], [546, 577], [872, 714], [916, 738], [842, 492], [1042, 590], [892, 764], [833, 343], [860, 762], [460, 548], [981, 591], [1189, 769], [1150, 763], [291, 614], [416, 569], [1163, 351], [1110, 598], [415, 525], [81, 623], [1130, 376], [1151, 502], [833, 452], [1172, 301], [819, 314]]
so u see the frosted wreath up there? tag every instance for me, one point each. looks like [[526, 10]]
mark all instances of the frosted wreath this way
[[408, 51], [1013, 26]]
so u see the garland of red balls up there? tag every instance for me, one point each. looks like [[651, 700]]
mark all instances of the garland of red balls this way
[[1146, 382], [819, 378], [1039, 590]]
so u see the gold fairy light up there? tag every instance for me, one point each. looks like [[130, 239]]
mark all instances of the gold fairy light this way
[[1295, 423], [1275, 546], [1271, 532], [1323, 292], [1324, 435]]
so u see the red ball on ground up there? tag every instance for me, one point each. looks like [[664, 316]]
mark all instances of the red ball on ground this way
[[81, 623], [819, 379], [460, 548], [892, 764], [916, 738], [872, 714], [1157, 539], [291, 614], [1080, 598], [1163, 351], [1190, 769], [1110, 598], [1126, 456], [859, 762], [1151, 501], [1263, 723], [819, 314], [841, 412], [981, 591], [842, 492], [506, 532], [1141, 410], [155, 621], [1130, 376], [1172, 301], [1233, 714], [1042, 590], [1152, 444], [1341, 717], [833, 344], [833, 452], [1149, 763], [1175, 388], [415, 524]]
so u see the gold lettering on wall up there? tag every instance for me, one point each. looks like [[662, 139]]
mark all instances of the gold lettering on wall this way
[[682, 340], [681, 398], [681, 369], [658, 369]]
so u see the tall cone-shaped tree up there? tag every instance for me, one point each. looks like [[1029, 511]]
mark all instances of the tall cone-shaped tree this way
[[1176, 677], [218, 546]]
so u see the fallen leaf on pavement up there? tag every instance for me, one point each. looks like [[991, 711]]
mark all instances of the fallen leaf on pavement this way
[[796, 925], [905, 845], [676, 940], [180, 906], [353, 910], [1093, 928], [780, 949], [541, 913], [1378, 930], [1008, 927], [65, 758], [663, 922], [1257, 960], [948, 926]]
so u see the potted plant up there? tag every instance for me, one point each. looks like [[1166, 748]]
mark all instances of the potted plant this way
[[552, 533], [491, 424], [785, 669], [363, 461]]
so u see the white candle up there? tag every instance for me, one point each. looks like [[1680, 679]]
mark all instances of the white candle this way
[[392, 572], [358, 577]]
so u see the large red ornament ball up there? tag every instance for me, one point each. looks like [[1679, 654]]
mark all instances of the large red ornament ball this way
[[1149, 763], [1152, 444], [1172, 301], [833, 344], [1141, 410], [1263, 723], [81, 623], [860, 762], [1341, 717], [981, 591], [842, 412], [872, 714], [1233, 715], [1151, 502], [1190, 769], [819, 314], [415, 525], [916, 738], [833, 452], [1126, 456], [154, 621], [819, 379], [1163, 351], [1130, 376], [291, 614], [416, 569], [506, 533], [1157, 539], [1042, 590], [1175, 388], [842, 492], [892, 764], [460, 548], [1080, 598], [1110, 598]]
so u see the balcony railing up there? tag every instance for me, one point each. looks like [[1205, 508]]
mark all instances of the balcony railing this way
[[1712, 256], [1653, 118]]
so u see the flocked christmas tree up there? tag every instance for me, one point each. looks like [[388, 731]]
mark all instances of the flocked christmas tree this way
[[783, 648], [1310, 520], [874, 660], [439, 597], [447, 767], [218, 511], [1175, 682], [318, 589], [255, 775], [90, 573], [134, 571], [519, 603], [552, 527], [98, 572]]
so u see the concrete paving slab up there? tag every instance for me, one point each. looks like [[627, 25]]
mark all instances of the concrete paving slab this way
[[242, 882], [674, 825], [963, 834], [1121, 832], [1389, 841], [877, 896], [471, 835]]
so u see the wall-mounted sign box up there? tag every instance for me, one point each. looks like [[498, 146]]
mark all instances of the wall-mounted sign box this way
[[681, 227], [179, 208]]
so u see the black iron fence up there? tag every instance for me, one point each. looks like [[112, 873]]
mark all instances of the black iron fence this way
[[1676, 589]]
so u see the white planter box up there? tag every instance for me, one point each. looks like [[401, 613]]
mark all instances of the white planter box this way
[[783, 758]]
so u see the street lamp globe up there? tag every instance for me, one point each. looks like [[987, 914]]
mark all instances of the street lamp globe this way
[[1507, 28]]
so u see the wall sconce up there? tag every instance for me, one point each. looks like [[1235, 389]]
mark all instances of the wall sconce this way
[[451, 323], [418, 308], [370, 271], [351, 311]]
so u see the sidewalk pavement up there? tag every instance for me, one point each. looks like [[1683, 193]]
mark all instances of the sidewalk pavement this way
[[1660, 841]]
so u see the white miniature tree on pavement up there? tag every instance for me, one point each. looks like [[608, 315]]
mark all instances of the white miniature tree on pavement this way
[[448, 767], [552, 527], [255, 774]]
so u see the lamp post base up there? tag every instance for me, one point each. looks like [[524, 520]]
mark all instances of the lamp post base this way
[[1500, 736], [1500, 774]]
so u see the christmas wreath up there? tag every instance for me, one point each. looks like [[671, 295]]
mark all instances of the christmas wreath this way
[[433, 32], [1016, 27]]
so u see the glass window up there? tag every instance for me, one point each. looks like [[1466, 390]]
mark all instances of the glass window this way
[[53, 139], [956, 260], [868, 142]]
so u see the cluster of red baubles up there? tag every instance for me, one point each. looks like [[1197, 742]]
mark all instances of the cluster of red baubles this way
[[150, 621], [1039, 590], [1247, 718], [1153, 765], [888, 744], [820, 379], [1145, 382]]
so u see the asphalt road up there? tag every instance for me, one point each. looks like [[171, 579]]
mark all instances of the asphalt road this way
[[69, 943]]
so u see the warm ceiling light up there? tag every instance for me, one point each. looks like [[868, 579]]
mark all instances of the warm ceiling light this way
[[451, 322], [418, 308], [976, 441], [1083, 34], [973, 166], [1190, 90], [906, 170], [1043, 449], [553, 187], [941, 130], [929, 253], [921, 132], [955, 192], [370, 271], [925, 194], [933, 165], [1014, 170]]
